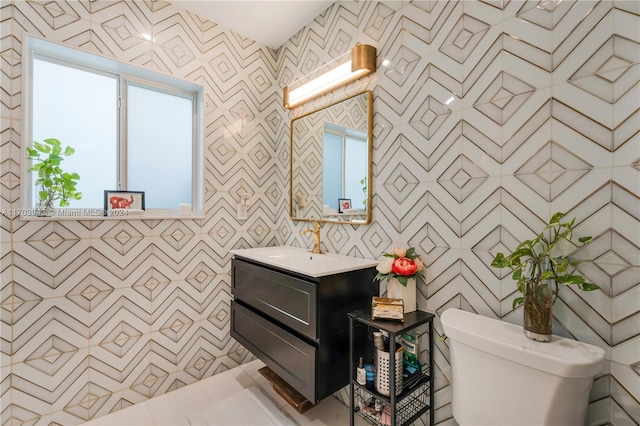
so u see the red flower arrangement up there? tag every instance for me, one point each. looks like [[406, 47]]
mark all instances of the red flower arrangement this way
[[401, 264]]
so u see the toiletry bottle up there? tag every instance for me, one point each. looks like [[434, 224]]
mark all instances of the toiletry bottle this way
[[361, 375], [371, 375]]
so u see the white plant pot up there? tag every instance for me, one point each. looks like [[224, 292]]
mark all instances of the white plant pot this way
[[395, 290]]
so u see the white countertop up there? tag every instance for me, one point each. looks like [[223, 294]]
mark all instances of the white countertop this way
[[302, 261]]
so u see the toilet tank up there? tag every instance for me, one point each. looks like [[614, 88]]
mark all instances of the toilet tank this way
[[500, 377]]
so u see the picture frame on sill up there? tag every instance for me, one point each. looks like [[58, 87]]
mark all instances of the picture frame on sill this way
[[123, 203], [344, 204]]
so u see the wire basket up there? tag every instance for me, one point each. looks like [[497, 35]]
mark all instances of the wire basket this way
[[382, 372]]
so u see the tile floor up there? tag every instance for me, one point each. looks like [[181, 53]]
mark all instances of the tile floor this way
[[174, 407]]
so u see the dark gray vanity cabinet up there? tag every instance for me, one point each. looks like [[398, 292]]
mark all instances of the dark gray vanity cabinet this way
[[298, 325]]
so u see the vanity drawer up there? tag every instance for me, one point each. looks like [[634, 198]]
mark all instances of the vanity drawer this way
[[285, 298], [291, 358]]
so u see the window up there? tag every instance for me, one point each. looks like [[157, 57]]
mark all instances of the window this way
[[343, 169], [132, 129]]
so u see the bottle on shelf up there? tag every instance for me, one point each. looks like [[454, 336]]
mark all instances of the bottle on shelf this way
[[361, 374], [370, 376]]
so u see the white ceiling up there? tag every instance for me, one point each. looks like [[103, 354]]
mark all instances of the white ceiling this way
[[268, 22]]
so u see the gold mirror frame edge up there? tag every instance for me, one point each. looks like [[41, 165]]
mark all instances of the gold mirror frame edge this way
[[369, 165]]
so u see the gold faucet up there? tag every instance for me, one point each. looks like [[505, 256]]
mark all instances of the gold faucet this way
[[316, 236]]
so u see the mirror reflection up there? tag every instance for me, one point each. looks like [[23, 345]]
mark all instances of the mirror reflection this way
[[344, 172], [331, 162]]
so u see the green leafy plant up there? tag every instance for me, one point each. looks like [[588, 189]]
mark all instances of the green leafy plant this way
[[363, 182], [55, 184], [533, 261]]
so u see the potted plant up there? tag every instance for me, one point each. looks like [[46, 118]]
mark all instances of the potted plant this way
[[400, 268], [539, 268], [55, 184]]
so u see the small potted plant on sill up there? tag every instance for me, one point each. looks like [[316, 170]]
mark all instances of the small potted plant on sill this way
[[539, 269], [55, 184]]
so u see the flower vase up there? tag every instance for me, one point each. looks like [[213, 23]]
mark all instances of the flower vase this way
[[395, 290], [538, 306], [44, 208]]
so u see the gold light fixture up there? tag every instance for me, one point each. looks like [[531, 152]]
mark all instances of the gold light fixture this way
[[362, 62]]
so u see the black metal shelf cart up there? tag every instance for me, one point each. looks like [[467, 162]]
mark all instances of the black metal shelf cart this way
[[417, 396]]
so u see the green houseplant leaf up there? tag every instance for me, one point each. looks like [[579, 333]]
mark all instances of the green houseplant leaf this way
[[55, 184], [532, 260]]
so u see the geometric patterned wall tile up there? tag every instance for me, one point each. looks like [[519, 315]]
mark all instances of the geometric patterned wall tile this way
[[496, 240], [555, 169], [463, 38], [484, 65], [86, 403], [480, 294], [126, 34], [53, 240], [119, 372], [625, 404], [51, 355], [173, 262], [201, 276], [546, 15], [503, 97], [90, 292], [151, 284], [462, 178], [583, 21], [149, 380], [121, 339], [583, 125], [15, 414], [515, 145], [48, 17], [430, 116], [123, 238], [521, 138], [402, 214], [426, 19], [118, 279], [214, 334], [379, 21], [543, 116], [611, 71], [43, 392], [401, 66], [18, 302], [199, 363]]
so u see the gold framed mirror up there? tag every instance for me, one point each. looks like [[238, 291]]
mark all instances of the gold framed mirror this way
[[330, 162]]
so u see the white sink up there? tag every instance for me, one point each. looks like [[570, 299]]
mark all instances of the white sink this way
[[304, 262]]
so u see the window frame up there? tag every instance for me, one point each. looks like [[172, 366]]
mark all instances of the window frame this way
[[38, 48]]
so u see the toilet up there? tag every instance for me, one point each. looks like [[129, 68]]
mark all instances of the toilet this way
[[500, 377]]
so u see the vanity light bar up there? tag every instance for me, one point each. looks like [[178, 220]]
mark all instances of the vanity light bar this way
[[361, 63]]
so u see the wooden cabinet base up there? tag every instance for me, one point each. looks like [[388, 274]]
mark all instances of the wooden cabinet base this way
[[282, 388]]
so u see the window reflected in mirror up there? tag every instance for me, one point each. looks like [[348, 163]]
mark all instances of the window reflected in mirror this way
[[344, 171]]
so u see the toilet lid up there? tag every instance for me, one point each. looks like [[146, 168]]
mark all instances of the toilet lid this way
[[561, 356]]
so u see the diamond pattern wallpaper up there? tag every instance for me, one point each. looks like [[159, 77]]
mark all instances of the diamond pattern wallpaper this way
[[489, 116]]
